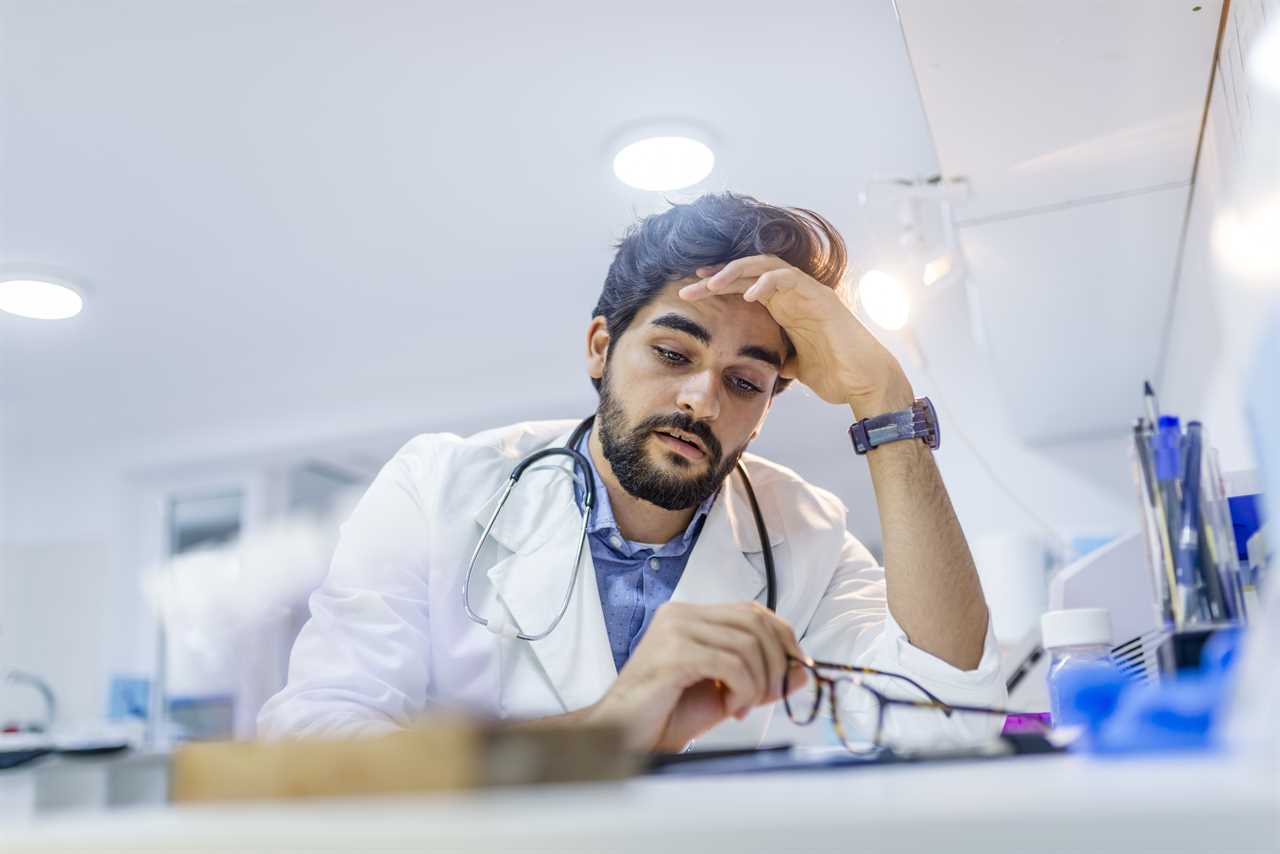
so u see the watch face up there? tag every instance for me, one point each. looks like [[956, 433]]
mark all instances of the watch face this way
[[918, 422]]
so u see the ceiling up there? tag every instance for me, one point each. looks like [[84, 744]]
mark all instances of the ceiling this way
[[307, 221], [331, 212], [1077, 126]]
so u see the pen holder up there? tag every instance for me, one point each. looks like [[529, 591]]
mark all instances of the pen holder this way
[[1190, 542], [1181, 650]]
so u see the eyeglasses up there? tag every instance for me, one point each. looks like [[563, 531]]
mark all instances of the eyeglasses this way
[[873, 710]]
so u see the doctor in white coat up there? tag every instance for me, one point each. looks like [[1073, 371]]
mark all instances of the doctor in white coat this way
[[709, 310]]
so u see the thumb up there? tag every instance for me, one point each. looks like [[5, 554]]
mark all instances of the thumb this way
[[797, 677]]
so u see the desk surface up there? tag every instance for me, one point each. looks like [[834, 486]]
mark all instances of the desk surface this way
[[1030, 804]]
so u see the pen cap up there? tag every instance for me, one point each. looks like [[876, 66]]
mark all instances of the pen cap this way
[[1168, 442], [1075, 627]]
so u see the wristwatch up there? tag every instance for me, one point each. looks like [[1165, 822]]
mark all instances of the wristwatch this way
[[918, 422]]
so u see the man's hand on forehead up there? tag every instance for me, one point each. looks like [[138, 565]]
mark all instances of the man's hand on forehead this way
[[836, 355]]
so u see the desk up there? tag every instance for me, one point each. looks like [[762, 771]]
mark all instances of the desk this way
[[1030, 805]]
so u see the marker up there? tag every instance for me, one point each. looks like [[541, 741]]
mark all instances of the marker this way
[[1168, 470]]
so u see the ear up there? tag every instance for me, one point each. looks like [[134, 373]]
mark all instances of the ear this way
[[597, 346]]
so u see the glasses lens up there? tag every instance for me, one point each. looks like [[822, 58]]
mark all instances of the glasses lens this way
[[801, 704], [910, 723]]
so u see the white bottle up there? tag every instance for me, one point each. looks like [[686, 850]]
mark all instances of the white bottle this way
[[1075, 639]]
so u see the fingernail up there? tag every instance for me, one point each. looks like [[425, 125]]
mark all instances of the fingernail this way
[[750, 294]]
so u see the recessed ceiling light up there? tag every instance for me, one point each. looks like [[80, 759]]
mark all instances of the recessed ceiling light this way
[[39, 300], [663, 163]]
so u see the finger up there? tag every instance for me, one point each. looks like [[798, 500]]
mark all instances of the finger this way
[[760, 615], [749, 268], [767, 285], [709, 270], [771, 648], [739, 688], [747, 680], [793, 658], [701, 289], [797, 677], [773, 637]]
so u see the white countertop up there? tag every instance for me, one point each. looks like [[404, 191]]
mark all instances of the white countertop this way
[[1027, 804]]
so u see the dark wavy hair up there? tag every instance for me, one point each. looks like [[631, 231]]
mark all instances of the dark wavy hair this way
[[713, 229]]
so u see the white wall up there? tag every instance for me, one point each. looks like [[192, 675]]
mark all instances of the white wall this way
[[1216, 319]]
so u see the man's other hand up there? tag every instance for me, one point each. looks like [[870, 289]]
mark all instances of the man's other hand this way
[[696, 666]]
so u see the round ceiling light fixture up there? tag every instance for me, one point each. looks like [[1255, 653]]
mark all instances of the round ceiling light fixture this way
[[39, 299], [664, 163]]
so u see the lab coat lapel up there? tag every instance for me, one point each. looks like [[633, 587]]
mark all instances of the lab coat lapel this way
[[541, 527], [719, 570]]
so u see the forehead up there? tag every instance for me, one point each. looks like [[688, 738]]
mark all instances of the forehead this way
[[732, 321]]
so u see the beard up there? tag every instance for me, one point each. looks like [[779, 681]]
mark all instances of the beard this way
[[625, 449]]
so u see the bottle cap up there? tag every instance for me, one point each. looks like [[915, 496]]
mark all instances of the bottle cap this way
[[1075, 627]]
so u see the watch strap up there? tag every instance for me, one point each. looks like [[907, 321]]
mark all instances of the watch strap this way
[[920, 421]]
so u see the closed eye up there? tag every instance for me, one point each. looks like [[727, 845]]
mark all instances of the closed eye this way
[[670, 356]]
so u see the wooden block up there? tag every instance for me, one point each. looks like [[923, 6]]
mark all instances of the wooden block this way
[[442, 754]]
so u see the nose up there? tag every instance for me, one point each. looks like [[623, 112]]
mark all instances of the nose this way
[[698, 396]]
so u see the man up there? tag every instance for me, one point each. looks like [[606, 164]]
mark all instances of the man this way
[[708, 312]]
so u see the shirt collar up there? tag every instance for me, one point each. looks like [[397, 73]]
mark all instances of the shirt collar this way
[[603, 523]]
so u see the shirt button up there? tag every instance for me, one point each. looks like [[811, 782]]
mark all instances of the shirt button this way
[[653, 563], [616, 540]]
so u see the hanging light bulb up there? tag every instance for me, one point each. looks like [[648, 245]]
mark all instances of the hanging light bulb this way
[[884, 299]]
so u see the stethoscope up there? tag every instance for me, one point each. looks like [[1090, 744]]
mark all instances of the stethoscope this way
[[582, 469]]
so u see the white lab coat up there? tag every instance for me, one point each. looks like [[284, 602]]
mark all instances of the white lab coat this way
[[388, 640]]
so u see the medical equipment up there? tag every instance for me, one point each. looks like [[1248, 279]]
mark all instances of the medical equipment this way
[[582, 468]]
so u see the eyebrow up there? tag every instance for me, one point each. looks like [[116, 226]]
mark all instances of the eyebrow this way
[[696, 330]]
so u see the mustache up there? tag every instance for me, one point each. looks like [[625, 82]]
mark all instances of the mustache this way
[[685, 424]]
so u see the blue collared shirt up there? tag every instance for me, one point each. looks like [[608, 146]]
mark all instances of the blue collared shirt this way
[[633, 578]]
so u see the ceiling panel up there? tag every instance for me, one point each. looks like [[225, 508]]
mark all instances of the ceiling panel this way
[[1073, 304], [1043, 103], [301, 207]]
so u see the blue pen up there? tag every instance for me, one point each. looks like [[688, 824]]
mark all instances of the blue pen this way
[[1168, 477]]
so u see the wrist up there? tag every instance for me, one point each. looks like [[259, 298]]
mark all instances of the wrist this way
[[890, 398]]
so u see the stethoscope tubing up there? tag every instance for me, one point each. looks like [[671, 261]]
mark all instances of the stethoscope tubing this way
[[582, 467]]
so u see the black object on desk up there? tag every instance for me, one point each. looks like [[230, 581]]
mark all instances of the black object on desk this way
[[14, 758], [791, 758]]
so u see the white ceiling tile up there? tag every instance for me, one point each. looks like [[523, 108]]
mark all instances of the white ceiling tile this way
[[1043, 103]]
